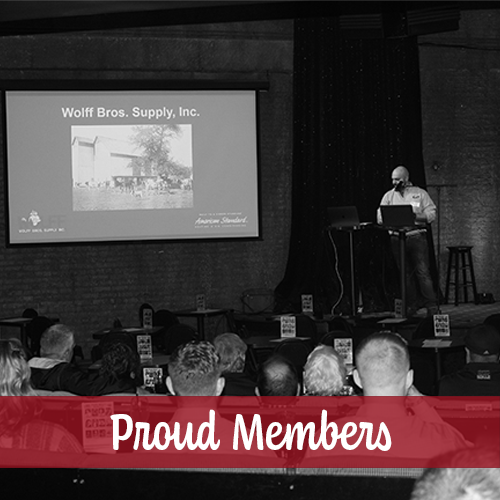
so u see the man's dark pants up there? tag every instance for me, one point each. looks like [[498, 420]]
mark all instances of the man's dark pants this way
[[419, 285]]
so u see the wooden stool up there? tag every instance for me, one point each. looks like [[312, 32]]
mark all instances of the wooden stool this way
[[460, 259]]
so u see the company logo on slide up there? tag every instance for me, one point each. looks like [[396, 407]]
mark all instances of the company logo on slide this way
[[34, 223], [221, 219], [33, 218]]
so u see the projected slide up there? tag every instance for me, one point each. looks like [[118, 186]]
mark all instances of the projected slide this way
[[85, 166], [132, 168]]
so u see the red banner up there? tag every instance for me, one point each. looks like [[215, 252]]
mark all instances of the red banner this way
[[249, 432]]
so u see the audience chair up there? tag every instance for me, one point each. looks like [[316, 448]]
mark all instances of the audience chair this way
[[77, 353], [339, 323], [255, 326], [306, 327], [231, 323], [177, 335], [165, 319], [422, 360], [34, 330], [30, 313], [251, 363], [493, 320], [329, 338], [424, 329], [295, 351]]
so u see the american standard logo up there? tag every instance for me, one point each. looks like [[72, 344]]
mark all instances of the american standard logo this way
[[217, 220]]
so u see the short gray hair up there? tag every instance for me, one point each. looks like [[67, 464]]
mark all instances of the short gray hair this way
[[56, 339], [232, 352], [458, 483], [324, 372]]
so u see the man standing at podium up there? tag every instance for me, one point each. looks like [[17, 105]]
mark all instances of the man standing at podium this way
[[421, 293]]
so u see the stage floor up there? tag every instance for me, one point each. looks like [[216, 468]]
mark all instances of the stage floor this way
[[469, 315], [462, 317]]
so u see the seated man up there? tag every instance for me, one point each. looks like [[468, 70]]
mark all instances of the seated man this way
[[324, 372], [194, 370], [418, 432], [53, 370], [481, 374], [277, 377], [471, 475], [232, 352]]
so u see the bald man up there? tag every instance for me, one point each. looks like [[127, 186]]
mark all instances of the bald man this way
[[420, 287], [383, 365], [470, 476], [277, 377], [384, 374]]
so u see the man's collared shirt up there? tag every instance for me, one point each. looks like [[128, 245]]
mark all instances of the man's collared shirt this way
[[417, 197]]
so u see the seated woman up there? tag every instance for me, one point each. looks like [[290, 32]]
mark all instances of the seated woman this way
[[233, 353], [325, 373], [120, 370], [20, 426]]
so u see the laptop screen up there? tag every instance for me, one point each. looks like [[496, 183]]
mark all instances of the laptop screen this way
[[343, 216], [397, 215]]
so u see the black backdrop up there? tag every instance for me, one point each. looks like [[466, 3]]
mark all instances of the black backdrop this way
[[357, 116]]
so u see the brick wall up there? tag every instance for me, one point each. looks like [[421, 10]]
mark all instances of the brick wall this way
[[88, 286], [460, 75]]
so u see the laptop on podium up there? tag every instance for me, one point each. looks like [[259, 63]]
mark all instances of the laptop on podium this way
[[343, 217], [397, 215]]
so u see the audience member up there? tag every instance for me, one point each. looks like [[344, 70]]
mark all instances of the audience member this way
[[481, 374], [232, 353], [121, 366], [194, 370], [469, 477], [383, 369], [324, 372], [53, 370], [277, 376], [20, 427]]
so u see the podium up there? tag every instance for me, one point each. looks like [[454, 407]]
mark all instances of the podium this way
[[401, 232], [350, 230]]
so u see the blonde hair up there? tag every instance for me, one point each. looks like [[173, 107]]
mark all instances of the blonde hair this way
[[324, 372], [15, 376], [15, 372]]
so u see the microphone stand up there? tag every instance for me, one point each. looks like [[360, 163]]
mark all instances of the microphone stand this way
[[438, 189]]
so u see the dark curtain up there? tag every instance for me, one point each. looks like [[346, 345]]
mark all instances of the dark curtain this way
[[356, 117]]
